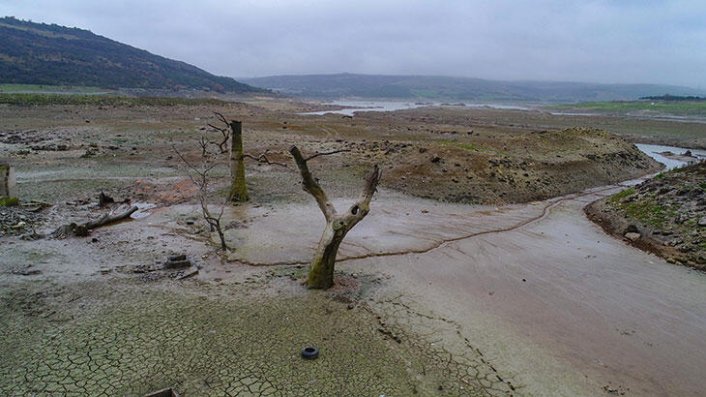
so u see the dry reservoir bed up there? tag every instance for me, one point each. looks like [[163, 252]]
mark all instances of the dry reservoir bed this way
[[432, 298]]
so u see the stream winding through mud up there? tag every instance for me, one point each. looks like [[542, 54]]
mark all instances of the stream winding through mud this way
[[545, 294]]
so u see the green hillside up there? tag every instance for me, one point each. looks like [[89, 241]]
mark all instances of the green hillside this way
[[34, 53]]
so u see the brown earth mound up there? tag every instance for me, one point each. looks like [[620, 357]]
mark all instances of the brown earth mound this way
[[517, 168]]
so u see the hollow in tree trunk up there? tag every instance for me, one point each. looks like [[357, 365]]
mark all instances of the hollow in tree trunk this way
[[337, 225], [238, 188]]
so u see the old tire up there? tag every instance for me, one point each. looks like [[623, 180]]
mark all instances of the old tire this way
[[310, 353]]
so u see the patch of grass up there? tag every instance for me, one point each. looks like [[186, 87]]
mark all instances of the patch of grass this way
[[677, 108], [649, 212], [618, 197], [645, 209], [467, 146], [9, 201], [41, 88], [27, 99]]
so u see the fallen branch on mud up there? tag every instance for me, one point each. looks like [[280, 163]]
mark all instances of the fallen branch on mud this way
[[315, 155], [82, 230]]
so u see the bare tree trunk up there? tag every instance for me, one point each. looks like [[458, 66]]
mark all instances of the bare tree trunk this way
[[322, 265], [337, 225], [238, 189]]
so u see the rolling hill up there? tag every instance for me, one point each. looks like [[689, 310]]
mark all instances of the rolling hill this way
[[34, 53], [457, 88]]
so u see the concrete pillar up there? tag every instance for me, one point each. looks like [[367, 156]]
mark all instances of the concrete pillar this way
[[7, 180]]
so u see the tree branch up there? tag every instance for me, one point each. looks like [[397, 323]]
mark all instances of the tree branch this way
[[326, 153], [106, 219], [262, 158], [225, 131], [311, 186], [361, 208]]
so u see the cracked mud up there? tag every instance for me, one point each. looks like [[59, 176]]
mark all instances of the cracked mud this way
[[127, 340]]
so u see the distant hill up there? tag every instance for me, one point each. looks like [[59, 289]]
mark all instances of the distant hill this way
[[34, 53], [457, 88]]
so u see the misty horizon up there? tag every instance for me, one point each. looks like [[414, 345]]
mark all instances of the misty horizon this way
[[547, 41]]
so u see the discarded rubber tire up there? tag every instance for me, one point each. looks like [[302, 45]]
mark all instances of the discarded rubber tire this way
[[310, 353]]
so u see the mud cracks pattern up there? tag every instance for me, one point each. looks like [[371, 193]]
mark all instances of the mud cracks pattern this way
[[126, 340]]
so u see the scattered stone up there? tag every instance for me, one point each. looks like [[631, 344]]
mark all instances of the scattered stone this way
[[632, 236], [665, 214], [631, 229], [104, 200], [27, 272], [192, 271], [177, 262]]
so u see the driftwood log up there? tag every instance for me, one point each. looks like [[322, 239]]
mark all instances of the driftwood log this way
[[337, 225], [82, 230]]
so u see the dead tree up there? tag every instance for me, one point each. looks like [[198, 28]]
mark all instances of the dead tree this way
[[337, 225], [233, 130], [200, 176], [238, 188]]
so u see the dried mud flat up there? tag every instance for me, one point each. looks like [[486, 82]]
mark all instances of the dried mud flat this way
[[432, 298]]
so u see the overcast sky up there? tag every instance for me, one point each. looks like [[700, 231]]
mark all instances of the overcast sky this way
[[611, 41]]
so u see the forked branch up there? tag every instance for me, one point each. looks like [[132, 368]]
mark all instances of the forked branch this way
[[311, 186]]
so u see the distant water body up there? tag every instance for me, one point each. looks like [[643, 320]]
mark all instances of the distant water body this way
[[655, 150], [353, 106]]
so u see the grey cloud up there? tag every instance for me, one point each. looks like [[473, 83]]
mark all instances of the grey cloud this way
[[599, 41]]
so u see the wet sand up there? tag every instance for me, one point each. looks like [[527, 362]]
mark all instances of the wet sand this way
[[553, 302]]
